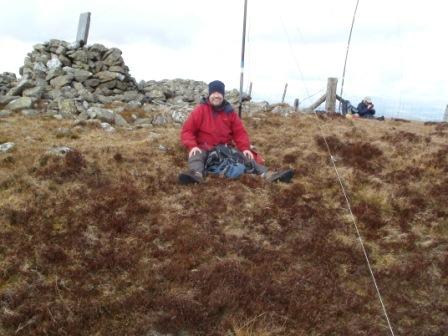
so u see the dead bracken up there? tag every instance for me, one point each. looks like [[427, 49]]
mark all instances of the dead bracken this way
[[104, 241]]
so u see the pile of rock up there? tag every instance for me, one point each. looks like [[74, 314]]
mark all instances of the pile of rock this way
[[93, 82], [57, 69], [7, 81], [66, 79]]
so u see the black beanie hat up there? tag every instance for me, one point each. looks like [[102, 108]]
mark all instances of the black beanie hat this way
[[216, 86]]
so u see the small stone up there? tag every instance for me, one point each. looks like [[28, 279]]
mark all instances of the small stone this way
[[59, 151], [107, 127], [7, 146]]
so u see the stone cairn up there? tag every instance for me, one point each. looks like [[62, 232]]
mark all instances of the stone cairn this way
[[67, 80], [92, 82]]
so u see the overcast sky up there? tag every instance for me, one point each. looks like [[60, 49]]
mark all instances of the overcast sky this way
[[398, 51]]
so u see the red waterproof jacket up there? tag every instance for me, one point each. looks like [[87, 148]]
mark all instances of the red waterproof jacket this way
[[206, 128]]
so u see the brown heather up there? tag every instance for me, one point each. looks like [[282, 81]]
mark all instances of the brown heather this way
[[104, 241]]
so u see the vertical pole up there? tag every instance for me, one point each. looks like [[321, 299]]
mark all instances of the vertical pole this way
[[83, 28], [284, 93], [346, 53], [243, 47], [330, 104], [250, 90], [445, 117]]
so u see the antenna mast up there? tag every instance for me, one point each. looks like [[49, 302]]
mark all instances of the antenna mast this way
[[243, 47], [348, 47]]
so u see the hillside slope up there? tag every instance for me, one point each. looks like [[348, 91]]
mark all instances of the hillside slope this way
[[103, 241]]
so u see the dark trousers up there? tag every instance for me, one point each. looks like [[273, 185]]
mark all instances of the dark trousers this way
[[369, 114], [197, 163]]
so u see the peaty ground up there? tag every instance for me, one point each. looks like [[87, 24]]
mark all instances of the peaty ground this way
[[104, 241]]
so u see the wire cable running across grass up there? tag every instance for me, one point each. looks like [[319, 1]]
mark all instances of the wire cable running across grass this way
[[332, 159]]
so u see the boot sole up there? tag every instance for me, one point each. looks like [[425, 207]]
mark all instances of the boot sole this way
[[284, 177], [187, 179]]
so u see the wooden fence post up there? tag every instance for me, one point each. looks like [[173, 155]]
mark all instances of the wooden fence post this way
[[330, 104], [284, 93]]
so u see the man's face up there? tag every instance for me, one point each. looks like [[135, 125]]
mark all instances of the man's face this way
[[216, 99]]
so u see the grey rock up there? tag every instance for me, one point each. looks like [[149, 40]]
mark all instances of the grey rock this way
[[67, 108], [29, 112], [132, 95], [156, 94], [117, 68], [60, 81], [101, 114], [68, 92], [113, 57], [59, 151], [120, 121], [75, 45], [98, 48], [105, 99], [160, 120], [54, 63], [65, 60], [134, 104], [39, 47], [53, 73], [79, 74], [79, 55], [82, 116], [35, 92], [7, 99], [39, 66], [108, 85], [42, 58], [54, 94], [80, 106], [179, 116], [7, 147], [23, 85], [60, 50], [142, 121], [63, 132], [105, 76], [93, 82], [55, 43], [107, 127], [283, 109], [5, 113], [19, 104], [123, 86], [99, 66]]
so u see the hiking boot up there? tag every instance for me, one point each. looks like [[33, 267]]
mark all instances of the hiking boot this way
[[191, 177], [282, 176]]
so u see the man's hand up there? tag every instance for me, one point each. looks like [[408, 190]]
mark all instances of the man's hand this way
[[194, 151], [247, 153]]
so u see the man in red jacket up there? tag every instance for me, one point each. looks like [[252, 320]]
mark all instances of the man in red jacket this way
[[212, 123]]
